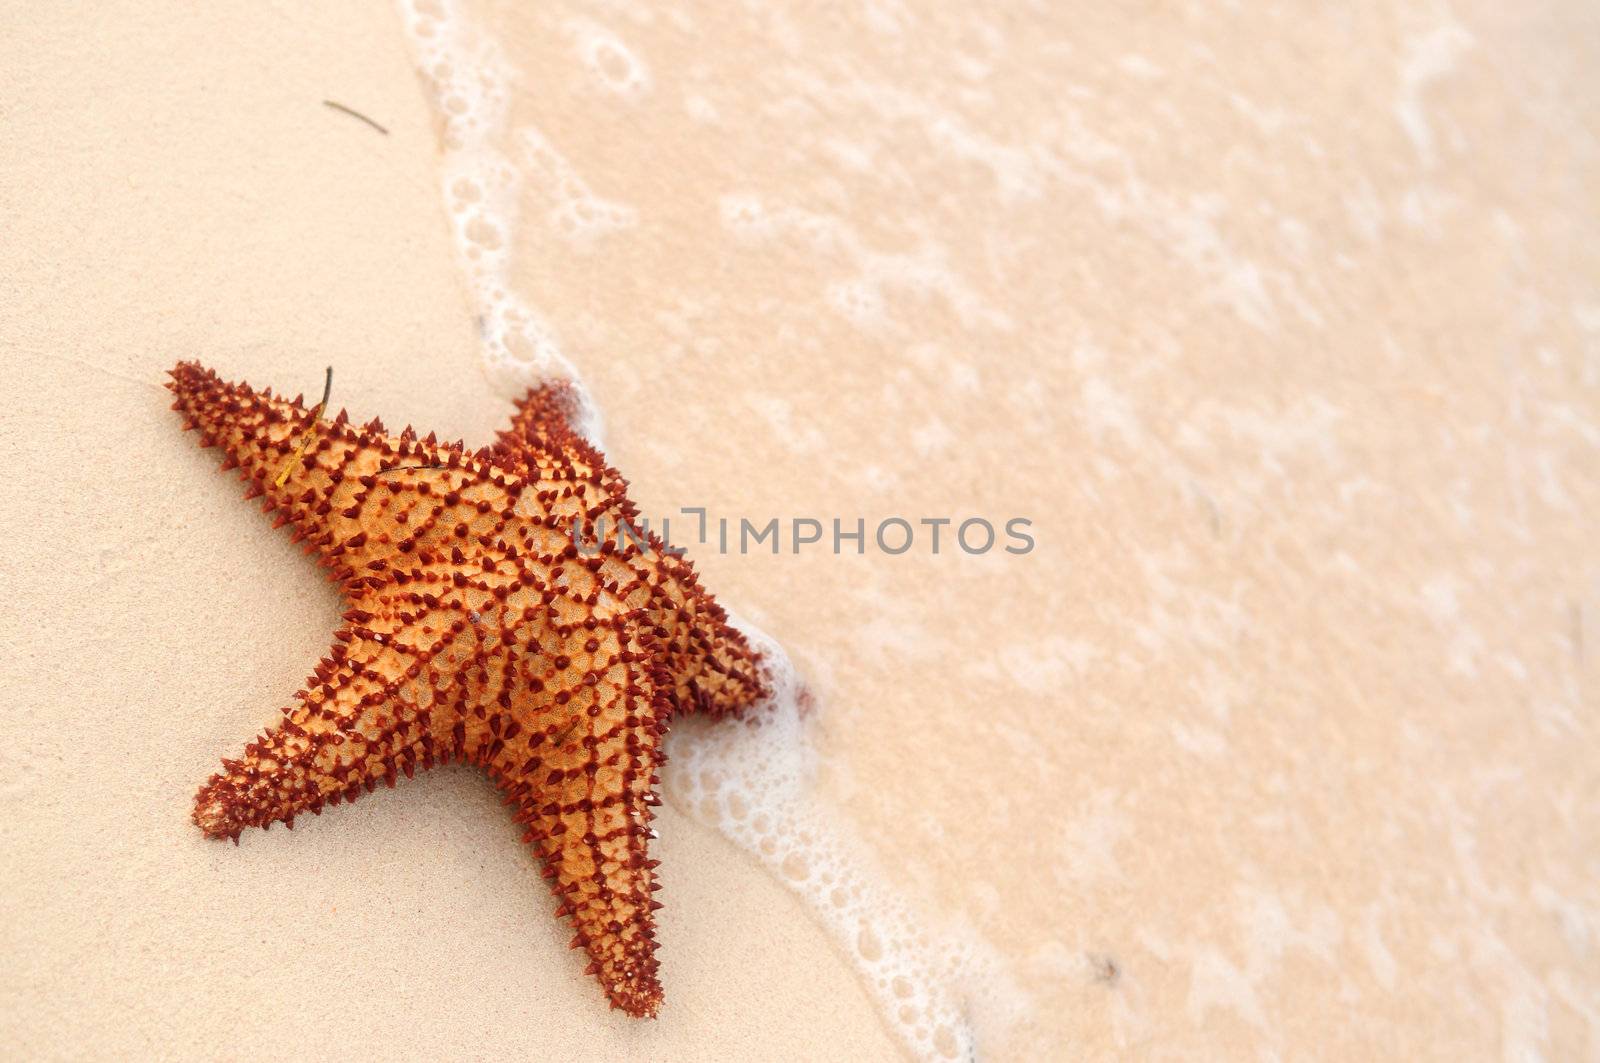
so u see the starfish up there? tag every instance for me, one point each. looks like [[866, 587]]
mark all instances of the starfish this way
[[478, 631]]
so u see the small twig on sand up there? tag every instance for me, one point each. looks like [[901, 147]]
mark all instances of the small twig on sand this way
[[355, 114]]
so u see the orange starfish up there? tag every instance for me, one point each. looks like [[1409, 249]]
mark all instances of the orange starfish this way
[[478, 631]]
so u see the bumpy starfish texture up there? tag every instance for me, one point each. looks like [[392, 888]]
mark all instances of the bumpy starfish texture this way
[[478, 631]]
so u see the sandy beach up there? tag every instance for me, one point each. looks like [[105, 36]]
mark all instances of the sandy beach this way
[[1279, 332]]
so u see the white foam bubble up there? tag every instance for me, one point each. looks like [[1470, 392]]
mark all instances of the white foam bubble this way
[[939, 987], [578, 215], [613, 63], [923, 272]]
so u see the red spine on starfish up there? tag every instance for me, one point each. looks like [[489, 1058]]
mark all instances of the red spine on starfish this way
[[478, 631]]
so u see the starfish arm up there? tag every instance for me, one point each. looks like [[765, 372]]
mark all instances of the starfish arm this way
[[583, 779], [293, 459], [543, 421], [714, 669], [542, 445], [361, 719], [357, 497]]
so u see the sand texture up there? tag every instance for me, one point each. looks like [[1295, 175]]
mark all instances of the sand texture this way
[[1282, 327]]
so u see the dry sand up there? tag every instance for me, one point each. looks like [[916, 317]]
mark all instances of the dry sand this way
[[175, 188], [1284, 330]]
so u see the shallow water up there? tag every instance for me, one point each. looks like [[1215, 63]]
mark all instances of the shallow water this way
[[1281, 328]]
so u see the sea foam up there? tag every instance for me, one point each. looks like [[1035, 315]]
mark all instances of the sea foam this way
[[937, 987], [471, 80]]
